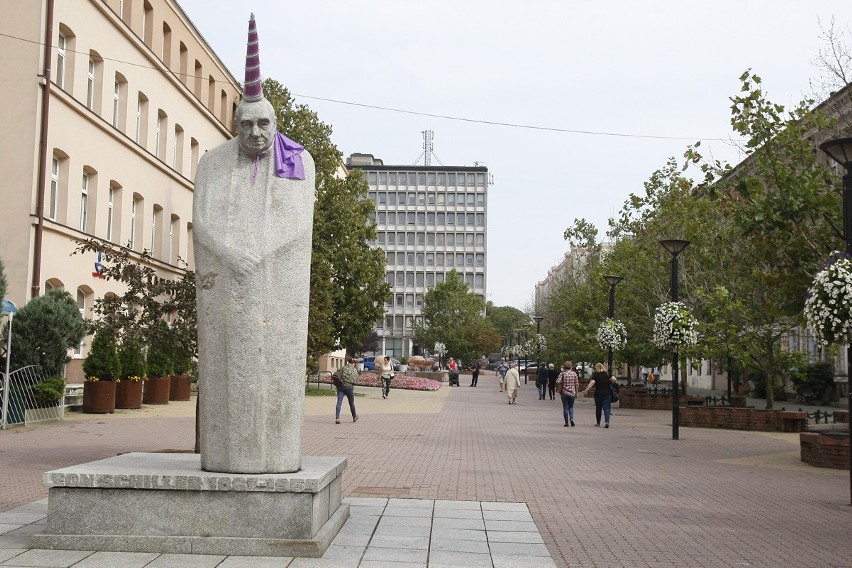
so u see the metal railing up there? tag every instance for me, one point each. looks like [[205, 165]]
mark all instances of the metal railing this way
[[23, 405]]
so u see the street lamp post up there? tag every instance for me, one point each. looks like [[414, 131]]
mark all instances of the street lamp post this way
[[9, 309], [840, 150], [537, 320], [612, 280], [675, 247]]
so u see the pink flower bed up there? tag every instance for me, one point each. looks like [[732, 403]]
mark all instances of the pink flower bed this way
[[409, 382]]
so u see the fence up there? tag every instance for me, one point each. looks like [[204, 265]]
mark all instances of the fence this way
[[24, 407]]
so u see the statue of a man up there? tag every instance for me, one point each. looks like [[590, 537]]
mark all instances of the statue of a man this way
[[252, 226]]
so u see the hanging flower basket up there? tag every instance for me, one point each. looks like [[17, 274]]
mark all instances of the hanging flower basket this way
[[674, 326], [828, 307], [612, 334]]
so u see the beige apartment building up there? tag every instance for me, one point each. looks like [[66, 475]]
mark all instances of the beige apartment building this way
[[108, 105]]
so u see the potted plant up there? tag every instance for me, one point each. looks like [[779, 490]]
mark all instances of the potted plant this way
[[128, 389], [181, 387], [101, 367], [403, 364], [159, 365]]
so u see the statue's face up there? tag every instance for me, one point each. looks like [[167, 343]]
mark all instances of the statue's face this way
[[255, 127]]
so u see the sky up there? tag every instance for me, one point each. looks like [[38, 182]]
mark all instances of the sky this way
[[600, 94]]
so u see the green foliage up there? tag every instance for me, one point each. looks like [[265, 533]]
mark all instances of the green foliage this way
[[814, 383], [44, 330], [505, 319], [48, 392], [348, 288], [159, 362], [132, 359], [135, 315], [453, 316], [102, 361]]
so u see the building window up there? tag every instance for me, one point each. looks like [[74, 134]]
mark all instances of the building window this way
[[451, 239], [84, 202], [439, 239], [451, 199], [133, 206], [430, 279], [116, 89], [480, 259], [480, 219], [90, 86], [53, 203], [419, 280], [110, 211], [451, 179], [142, 120], [167, 45], [383, 178], [439, 259], [177, 150], [160, 147], [480, 240], [480, 200], [479, 281], [60, 60], [421, 219], [392, 198], [119, 102], [392, 218]]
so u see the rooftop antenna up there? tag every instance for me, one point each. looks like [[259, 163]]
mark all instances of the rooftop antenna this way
[[427, 147]]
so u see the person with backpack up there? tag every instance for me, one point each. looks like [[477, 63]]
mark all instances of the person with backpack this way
[[344, 380]]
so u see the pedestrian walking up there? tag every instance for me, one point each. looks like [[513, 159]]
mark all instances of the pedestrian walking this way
[[501, 372], [645, 372], [656, 374], [552, 375], [512, 382], [386, 368], [601, 382], [477, 367], [344, 380], [541, 380], [567, 384]]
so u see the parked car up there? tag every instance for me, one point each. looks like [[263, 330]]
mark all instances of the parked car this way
[[370, 363]]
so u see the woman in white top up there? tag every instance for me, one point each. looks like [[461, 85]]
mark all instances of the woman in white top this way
[[384, 363]]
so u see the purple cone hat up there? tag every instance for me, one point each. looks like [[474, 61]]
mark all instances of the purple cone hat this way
[[252, 90]]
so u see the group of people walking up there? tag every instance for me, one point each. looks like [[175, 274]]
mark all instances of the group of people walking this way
[[549, 383], [564, 382]]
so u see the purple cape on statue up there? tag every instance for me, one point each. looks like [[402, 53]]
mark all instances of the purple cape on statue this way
[[288, 162]]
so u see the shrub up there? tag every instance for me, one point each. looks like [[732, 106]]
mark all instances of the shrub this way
[[44, 330], [813, 384], [102, 361], [132, 359], [48, 392]]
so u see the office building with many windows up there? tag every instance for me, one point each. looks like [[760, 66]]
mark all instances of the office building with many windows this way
[[430, 220]]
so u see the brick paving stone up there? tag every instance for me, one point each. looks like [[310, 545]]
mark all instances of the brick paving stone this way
[[712, 498]]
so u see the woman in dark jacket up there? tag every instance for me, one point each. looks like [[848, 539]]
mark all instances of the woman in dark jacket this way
[[601, 382], [552, 375]]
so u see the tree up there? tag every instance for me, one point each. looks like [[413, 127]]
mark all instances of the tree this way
[[505, 319], [348, 288], [44, 330], [452, 315]]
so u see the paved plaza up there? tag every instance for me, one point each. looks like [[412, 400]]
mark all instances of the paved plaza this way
[[460, 478]]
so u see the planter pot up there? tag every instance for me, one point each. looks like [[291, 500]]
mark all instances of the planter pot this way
[[181, 387], [128, 394], [403, 368], [157, 390], [99, 397]]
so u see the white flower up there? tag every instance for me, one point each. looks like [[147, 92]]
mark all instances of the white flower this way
[[828, 307], [674, 326], [440, 348], [612, 334]]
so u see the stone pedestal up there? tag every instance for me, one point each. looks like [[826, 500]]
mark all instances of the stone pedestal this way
[[165, 503]]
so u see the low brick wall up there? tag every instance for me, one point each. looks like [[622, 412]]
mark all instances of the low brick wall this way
[[638, 397], [825, 449], [744, 419]]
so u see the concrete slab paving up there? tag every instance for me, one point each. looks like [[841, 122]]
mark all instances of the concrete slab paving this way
[[713, 498]]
